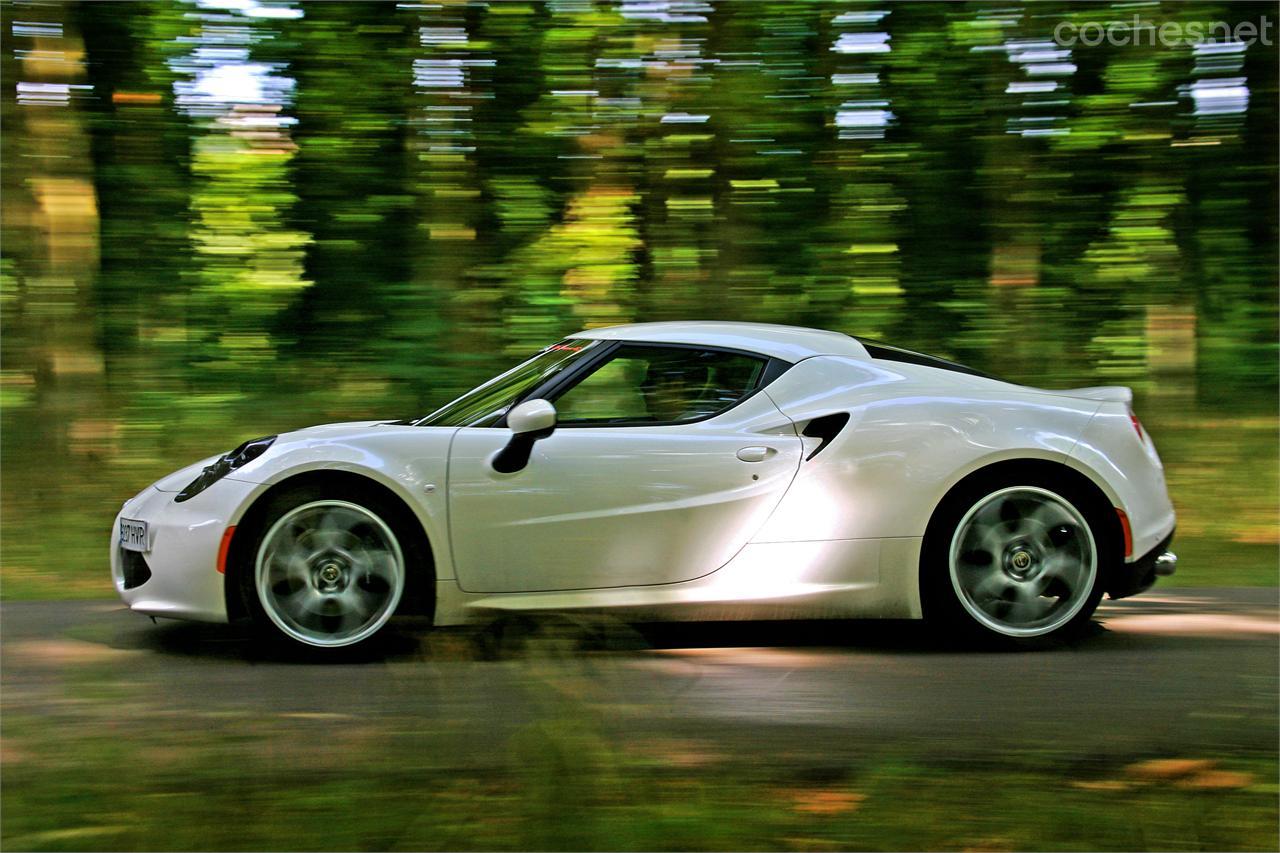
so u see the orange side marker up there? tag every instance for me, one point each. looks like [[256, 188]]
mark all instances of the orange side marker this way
[[1124, 525], [225, 546]]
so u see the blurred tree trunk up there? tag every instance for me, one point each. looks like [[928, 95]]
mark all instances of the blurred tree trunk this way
[[60, 420], [354, 75], [140, 146], [1233, 237]]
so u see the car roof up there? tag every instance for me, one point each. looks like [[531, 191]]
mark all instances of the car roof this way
[[789, 343]]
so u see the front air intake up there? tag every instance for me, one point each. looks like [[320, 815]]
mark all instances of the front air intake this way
[[134, 569]]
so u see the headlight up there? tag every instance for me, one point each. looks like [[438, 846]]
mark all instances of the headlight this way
[[228, 462]]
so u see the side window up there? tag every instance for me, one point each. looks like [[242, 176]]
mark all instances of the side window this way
[[660, 385]]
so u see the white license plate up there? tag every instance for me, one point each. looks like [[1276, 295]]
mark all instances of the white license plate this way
[[133, 535]]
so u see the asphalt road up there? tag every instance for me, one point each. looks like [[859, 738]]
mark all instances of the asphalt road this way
[[1170, 672]]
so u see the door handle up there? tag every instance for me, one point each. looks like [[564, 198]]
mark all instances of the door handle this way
[[756, 453]]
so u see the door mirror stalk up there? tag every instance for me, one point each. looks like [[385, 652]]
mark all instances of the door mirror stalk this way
[[529, 421]]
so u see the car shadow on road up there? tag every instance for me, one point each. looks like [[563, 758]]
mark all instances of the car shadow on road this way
[[510, 638], [201, 641]]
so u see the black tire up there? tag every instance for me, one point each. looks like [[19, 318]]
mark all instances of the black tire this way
[[985, 601], [361, 551]]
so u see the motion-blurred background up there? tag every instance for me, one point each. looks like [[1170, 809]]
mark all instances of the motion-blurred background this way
[[227, 218]]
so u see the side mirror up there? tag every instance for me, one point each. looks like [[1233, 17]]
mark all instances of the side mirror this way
[[529, 421], [532, 416]]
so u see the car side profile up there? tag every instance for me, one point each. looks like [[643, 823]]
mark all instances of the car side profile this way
[[689, 470]]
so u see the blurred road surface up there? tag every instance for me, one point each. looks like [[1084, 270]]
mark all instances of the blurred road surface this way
[[1181, 671]]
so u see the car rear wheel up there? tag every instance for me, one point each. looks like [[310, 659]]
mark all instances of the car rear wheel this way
[[1015, 561], [327, 572]]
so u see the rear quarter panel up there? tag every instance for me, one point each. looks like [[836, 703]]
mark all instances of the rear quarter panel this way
[[914, 432], [1132, 470]]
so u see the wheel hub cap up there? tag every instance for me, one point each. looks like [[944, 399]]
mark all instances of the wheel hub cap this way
[[329, 575], [1020, 562]]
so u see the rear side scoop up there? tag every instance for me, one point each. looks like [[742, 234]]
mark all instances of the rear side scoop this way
[[1101, 393]]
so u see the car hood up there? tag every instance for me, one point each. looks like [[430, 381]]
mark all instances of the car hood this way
[[331, 430]]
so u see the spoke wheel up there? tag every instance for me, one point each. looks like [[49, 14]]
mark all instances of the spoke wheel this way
[[329, 573], [1023, 561]]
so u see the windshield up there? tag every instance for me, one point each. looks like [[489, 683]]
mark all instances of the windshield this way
[[483, 406]]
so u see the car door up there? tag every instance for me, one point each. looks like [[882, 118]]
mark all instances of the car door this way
[[664, 462]]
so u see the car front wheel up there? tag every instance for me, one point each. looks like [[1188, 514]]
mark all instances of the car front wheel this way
[[327, 572]]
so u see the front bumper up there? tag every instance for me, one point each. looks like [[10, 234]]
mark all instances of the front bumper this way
[[178, 575], [1139, 575]]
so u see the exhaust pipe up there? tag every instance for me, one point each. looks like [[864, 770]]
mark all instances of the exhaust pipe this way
[[1166, 564]]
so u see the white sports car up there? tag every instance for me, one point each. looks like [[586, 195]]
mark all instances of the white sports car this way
[[694, 470]]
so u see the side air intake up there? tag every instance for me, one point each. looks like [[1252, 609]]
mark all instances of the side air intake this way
[[826, 428]]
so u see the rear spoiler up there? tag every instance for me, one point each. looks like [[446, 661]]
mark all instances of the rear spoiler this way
[[1101, 393]]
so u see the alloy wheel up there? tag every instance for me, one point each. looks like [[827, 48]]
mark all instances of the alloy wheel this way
[[329, 573], [1023, 561]]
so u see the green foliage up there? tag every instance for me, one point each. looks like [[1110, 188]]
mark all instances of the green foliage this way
[[242, 781], [243, 221]]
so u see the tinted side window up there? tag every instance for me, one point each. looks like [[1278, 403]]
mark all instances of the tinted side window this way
[[660, 385]]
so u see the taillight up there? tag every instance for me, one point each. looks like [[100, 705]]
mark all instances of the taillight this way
[[1137, 424]]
